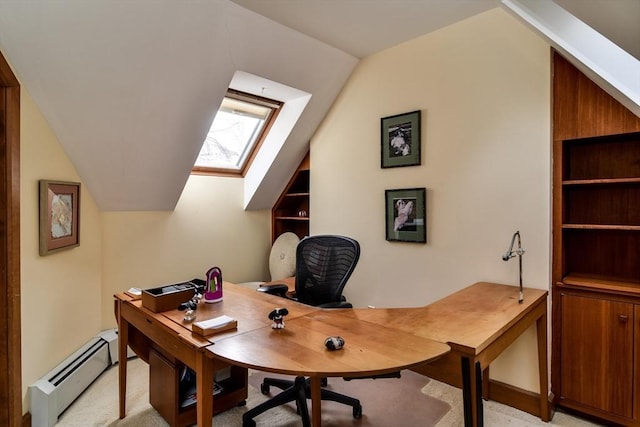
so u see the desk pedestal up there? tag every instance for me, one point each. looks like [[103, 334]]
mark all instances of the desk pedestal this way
[[166, 347], [164, 381]]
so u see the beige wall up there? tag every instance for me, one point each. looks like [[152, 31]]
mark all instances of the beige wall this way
[[67, 297], [207, 228], [61, 292], [483, 88]]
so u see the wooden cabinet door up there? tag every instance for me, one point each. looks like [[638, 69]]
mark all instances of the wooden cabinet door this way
[[597, 354], [636, 392]]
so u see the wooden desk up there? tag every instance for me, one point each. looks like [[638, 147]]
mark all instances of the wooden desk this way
[[479, 323], [299, 350], [167, 333]]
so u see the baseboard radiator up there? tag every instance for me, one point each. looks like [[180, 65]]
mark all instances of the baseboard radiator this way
[[54, 392]]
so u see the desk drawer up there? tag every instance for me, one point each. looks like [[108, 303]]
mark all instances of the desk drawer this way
[[166, 338]]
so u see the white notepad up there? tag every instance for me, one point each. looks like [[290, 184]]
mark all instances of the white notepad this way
[[217, 324]]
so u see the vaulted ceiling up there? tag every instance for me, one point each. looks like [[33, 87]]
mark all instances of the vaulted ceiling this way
[[130, 88]]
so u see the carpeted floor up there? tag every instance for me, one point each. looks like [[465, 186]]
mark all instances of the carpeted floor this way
[[384, 402], [413, 400]]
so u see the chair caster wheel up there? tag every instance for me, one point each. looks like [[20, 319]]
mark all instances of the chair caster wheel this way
[[248, 423], [324, 381], [264, 388], [242, 403], [357, 412]]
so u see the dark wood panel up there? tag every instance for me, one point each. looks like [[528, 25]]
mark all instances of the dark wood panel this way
[[606, 253], [596, 235], [581, 109], [564, 99], [614, 156], [636, 389], [597, 353], [608, 204], [10, 323]]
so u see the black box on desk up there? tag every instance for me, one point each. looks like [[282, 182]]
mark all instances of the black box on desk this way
[[167, 297]]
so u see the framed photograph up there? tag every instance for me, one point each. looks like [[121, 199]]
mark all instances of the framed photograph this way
[[405, 215], [400, 140], [59, 216]]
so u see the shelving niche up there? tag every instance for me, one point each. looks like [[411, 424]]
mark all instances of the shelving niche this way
[[291, 211], [601, 211]]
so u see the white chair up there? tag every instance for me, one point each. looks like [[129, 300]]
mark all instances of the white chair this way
[[282, 259]]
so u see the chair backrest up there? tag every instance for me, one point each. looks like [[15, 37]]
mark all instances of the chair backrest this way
[[324, 263]]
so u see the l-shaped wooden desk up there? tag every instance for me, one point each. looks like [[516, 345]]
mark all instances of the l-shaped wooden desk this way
[[477, 323]]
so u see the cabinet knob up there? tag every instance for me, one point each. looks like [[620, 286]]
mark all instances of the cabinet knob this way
[[623, 318]]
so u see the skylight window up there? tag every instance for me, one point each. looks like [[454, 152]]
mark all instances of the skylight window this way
[[236, 132]]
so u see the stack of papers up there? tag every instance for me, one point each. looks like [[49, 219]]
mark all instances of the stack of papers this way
[[215, 325]]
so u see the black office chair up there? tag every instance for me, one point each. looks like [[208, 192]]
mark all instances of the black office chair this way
[[324, 263]]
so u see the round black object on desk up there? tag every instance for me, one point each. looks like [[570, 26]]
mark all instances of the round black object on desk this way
[[334, 343]]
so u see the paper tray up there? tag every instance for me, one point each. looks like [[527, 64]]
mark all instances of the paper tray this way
[[167, 297]]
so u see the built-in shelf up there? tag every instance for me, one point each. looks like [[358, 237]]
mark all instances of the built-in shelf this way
[[602, 283], [595, 368], [601, 181], [601, 227], [291, 211], [292, 218]]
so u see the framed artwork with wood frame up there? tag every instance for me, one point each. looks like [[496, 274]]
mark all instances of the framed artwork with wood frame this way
[[405, 214], [400, 140], [59, 216]]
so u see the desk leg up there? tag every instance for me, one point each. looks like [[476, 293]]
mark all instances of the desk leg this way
[[541, 329], [466, 392], [472, 393], [478, 397], [316, 401], [204, 389], [123, 341]]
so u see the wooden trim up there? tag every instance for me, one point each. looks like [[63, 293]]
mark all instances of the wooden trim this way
[[7, 78], [523, 400], [276, 107], [10, 326], [497, 391], [636, 366]]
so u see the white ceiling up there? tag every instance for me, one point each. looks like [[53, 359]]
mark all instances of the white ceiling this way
[[130, 88], [364, 27]]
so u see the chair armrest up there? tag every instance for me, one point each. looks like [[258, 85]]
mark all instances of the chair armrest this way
[[278, 289], [339, 304]]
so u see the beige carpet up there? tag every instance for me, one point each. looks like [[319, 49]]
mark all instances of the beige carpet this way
[[98, 406], [385, 402]]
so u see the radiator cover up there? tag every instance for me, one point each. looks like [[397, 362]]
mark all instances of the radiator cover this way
[[55, 391]]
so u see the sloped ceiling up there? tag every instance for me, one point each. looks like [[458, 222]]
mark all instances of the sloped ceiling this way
[[364, 27], [130, 88]]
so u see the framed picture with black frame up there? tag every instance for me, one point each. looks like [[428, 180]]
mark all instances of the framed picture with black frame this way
[[405, 215], [59, 216], [400, 140]]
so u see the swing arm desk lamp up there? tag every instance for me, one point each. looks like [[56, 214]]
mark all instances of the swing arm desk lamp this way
[[519, 252]]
